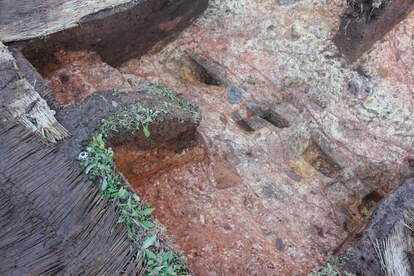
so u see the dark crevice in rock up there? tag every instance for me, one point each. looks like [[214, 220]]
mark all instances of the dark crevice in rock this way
[[206, 71], [320, 160], [259, 116], [241, 122], [275, 119]]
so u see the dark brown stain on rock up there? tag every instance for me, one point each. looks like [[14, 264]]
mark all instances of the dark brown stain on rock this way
[[360, 207]]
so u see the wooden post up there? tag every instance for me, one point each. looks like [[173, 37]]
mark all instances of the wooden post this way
[[366, 22]]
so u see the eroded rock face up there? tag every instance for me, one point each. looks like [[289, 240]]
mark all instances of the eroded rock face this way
[[76, 75], [317, 143], [299, 146]]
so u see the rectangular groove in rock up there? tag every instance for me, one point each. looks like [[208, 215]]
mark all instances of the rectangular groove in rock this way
[[275, 119], [206, 71], [320, 160]]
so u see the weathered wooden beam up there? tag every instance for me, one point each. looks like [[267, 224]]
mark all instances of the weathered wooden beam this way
[[26, 19], [121, 33], [19, 100], [367, 21]]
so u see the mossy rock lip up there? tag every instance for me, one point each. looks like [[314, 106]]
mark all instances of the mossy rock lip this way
[[83, 119], [144, 122]]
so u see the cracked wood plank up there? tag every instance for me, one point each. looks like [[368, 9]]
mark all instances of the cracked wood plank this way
[[22, 20], [18, 99]]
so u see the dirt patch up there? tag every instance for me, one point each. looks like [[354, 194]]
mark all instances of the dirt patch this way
[[211, 221], [225, 175], [77, 75]]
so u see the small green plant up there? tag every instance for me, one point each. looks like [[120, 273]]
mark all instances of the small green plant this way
[[116, 93], [162, 263], [134, 214], [135, 117], [172, 98], [330, 270]]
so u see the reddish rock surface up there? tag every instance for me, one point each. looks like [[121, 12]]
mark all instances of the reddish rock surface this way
[[301, 144], [76, 75], [276, 200]]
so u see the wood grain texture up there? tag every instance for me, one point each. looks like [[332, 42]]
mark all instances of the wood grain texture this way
[[363, 25], [22, 19], [19, 99], [120, 34]]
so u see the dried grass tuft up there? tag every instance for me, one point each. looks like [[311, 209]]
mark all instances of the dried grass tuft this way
[[393, 251]]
